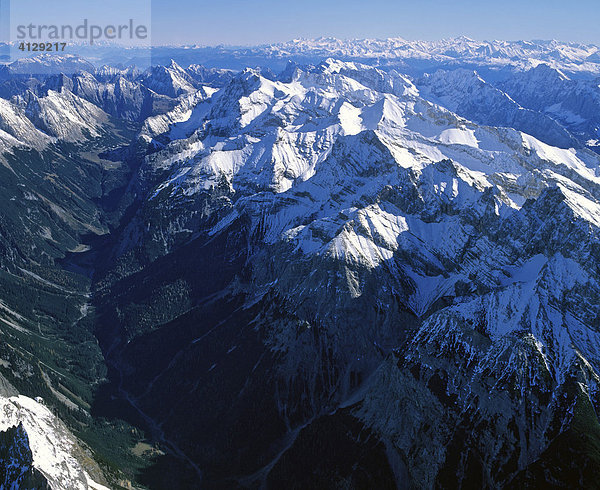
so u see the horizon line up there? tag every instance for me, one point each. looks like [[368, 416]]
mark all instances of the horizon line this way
[[193, 45]]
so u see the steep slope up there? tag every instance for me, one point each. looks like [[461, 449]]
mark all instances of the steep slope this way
[[41, 449], [467, 94], [64, 115], [54, 181], [18, 130], [334, 243], [255, 270], [171, 80], [16, 461], [574, 103]]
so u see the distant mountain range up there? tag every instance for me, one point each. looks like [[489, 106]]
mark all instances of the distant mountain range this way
[[413, 56]]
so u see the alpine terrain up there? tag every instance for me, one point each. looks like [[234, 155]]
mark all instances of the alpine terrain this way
[[321, 264]]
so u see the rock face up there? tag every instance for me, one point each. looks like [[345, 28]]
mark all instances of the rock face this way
[[16, 461], [340, 276], [572, 102], [467, 94], [38, 451]]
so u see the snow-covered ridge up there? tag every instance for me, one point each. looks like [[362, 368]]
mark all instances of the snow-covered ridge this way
[[278, 134], [342, 163], [34, 121], [460, 212], [56, 452]]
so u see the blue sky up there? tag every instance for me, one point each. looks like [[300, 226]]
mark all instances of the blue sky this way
[[243, 22], [258, 21]]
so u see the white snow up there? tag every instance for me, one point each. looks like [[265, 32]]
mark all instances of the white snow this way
[[460, 136], [51, 443]]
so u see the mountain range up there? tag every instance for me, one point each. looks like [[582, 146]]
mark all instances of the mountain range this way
[[353, 264]]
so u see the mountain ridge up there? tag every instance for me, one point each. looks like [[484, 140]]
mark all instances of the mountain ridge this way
[[337, 255]]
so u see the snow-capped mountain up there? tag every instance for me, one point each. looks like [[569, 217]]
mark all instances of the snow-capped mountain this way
[[170, 80], [64, 115], [461, 50], [385, 275], [47, 64], [434, 266], [413, 57], [574, 103], [467, 94], [30, 120]]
